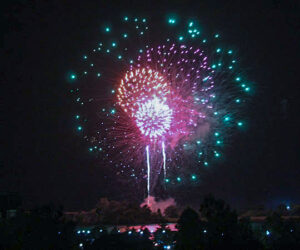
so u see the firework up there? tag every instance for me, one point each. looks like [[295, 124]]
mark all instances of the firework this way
[[150, 103]]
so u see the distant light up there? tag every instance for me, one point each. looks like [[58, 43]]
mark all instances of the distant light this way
[[84, 57], [100, 230], [240, 124], [99, 74], [73, 76], [247, 89], [288, 207], [180, 38], [217, 35], [238, 79], [119, 57], [213, 66], [178, 179], [113, 44], [107, 51], [135, 19], [229, 51], [194, 177], [227, 118], [79, 128], [268, 232], [163, 231], [144, 20], [172, 21], [191, 24], [125, 18], [129, 232], [204, 231], [80, 245], [90, 149], [198, 142], [113, 111], [218, 50], [77, 116], [167, 180], [125, 35], [88, 231], [141, 232], [237, 100], [131, 61], [204, 40], [217, 134], [107, 29], [113, 91], [78, 232], [218, 142], [206, 163]]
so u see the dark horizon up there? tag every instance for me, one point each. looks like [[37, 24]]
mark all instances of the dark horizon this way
[[45, 161]]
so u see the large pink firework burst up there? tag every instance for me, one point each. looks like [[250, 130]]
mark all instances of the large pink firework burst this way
[[169, 99], [161, 94]]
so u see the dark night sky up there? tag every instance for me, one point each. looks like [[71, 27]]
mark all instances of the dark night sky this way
[[44, 161]]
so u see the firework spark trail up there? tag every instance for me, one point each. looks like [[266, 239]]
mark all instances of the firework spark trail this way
[[148, 172], [164, 158]]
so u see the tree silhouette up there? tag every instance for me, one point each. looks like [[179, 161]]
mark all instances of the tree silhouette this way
[[171, 212], [188, 225]]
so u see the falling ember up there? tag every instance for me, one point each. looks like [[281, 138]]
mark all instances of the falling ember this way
[[148, 171], [164, 159]]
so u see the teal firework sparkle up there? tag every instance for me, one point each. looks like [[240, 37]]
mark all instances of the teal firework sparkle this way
[[158, 99]]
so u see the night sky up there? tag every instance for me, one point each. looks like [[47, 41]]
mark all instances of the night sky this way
[[45, 161]]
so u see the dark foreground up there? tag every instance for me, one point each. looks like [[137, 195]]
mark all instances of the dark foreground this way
[[214, 226]]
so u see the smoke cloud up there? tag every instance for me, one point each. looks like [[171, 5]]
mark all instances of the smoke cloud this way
[[155, 205]]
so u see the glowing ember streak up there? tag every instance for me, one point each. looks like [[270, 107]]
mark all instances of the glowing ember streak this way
[[148, 172], [164, 158]]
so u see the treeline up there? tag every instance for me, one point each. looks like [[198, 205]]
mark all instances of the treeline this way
[[213, 226], [117, 213], [216, 226]]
